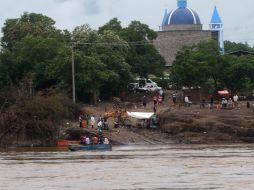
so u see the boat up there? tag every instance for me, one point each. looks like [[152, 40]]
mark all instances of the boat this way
[[96, 147], [66, 143]]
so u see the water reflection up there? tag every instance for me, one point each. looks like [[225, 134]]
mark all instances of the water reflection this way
[[130, 167]]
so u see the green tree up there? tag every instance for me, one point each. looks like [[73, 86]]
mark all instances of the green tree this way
[[142, 56], [196, 65], [101, 61], [233, 46], [113, 25], [201, 65], [32, 24], [47, 59], [240, 74]]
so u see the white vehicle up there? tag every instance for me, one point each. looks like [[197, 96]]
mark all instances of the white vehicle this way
[[150, 88], [144, 85]]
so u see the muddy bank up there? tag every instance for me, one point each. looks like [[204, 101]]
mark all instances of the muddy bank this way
[[185, 125], [177, 125], [202, 126]]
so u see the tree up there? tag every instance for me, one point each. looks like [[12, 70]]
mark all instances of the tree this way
[[32, 24], [142, 56], [101, 61], [47, 59], [113, 25], [240, 74], [233, 46], [195, 65], [201, 65]]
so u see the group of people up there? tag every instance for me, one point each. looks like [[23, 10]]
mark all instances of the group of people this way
[[226, 102], [84, 121], [232, 102], [86, 140], [158, 98]]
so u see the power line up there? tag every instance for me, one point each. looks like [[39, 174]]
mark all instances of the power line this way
[[137, 43]]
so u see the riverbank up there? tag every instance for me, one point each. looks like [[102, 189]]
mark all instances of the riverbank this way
[[203, 126], [188, 125], [178, 125]]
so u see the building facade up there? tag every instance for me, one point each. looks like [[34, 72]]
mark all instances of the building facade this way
[[182, 27]]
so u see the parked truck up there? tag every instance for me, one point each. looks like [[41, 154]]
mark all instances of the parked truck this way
[[143, 85]]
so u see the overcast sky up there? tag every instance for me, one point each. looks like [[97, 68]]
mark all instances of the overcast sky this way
[[237, 15]]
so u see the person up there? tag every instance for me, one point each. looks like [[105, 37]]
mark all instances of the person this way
[[99, 119], [80, 121], [160, 99], [202, 105], [235, 99], [95, 140], [106, 141], [230, 103], [83, 139], [144, 101], [186, 100], [174, 96], [100, 135], [154, 109], [155, 100], [99, 124], [248, 104], [92, 121], [142, 123], [87, 140], [161, 92], [224, 102], [211, 102], [116, 124], [105, 124], [83, 123], [86, 116], [123, 95]]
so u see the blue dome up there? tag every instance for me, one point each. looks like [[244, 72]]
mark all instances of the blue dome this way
[[183, 15]]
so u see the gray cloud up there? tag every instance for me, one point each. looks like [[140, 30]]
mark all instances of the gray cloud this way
[[236, 15], [92, 7]]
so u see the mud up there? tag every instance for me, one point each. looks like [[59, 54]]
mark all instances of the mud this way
[[195, 125]]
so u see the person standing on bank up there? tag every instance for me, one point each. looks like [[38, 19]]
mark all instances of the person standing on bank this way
[[80, 121], [211, 102], [144, 101], [86, 116], [92, 121], [235, 99]]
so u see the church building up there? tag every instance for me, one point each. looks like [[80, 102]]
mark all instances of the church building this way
[[182, 27]]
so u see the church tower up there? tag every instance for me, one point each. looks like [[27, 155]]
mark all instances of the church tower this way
[[181, 27], [216, 26], [181, 18]]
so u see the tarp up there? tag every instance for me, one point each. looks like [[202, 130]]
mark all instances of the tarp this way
[[223, 92], [140, 115]]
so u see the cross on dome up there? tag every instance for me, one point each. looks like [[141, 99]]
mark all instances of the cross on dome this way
[[182, 3]]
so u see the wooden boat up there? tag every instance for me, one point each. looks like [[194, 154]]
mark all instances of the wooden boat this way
[[66, 143], [97, 147]]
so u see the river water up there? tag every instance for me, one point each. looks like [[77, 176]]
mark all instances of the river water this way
[[130, 167]]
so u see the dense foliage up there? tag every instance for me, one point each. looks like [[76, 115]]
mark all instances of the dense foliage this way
[[202, 65], [105, 60], [142, 56], [35, 51], [233, 46], [36, 69]]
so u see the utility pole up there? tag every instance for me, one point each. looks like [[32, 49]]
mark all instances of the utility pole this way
[[73, 76]]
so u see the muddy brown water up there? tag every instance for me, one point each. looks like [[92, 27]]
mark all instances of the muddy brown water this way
[[130, 167]]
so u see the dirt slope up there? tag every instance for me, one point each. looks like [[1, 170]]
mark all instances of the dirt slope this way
[[185, 125]]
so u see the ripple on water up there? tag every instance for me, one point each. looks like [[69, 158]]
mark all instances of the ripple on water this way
[[131, 167]]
